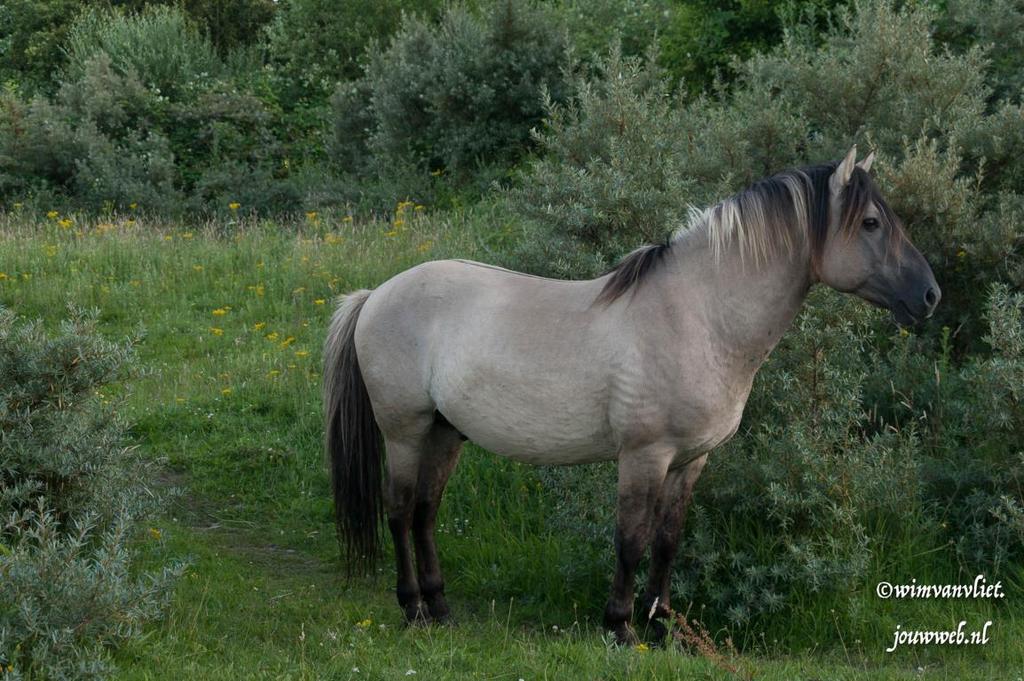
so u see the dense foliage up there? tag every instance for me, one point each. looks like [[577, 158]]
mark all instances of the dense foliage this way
[[459, 98], [309, 103], [72, 493]]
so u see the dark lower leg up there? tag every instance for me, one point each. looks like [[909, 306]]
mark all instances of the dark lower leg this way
[[427, 563], [672, 515], [437, 467], [629, 548], [641, 476], [407, 588]]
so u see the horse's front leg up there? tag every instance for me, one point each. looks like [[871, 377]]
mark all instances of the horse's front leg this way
[[641, 479], [675, 499]]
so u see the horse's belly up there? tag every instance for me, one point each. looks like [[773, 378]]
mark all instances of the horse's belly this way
[[529, 425]]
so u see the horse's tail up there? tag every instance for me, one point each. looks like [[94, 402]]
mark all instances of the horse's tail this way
[[352, 440]]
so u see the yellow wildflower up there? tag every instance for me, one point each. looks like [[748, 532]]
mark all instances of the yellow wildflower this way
[[390, 234], [273, 372], [3, 276], [155, 533], [234, 205], [364, 624], [419, 208], [437, 173], [642, 647], [311, 215], [216, 332], [225, 392], [287, 341], [52, 214], [272, 336], [398, 223], [186, 235], [347, 218], [258, 325], [319, 301], [197, 268], [302, 353], [65, 223], [961, 253], [220, 312], [133, 205]]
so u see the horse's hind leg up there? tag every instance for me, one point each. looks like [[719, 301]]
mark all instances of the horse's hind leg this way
[[440, 457], [403, 457], [675, 499]]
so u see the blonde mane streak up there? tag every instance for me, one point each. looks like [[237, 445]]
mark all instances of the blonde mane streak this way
[[761, 219]]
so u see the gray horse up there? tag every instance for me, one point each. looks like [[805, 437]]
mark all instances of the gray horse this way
[[649, 365]]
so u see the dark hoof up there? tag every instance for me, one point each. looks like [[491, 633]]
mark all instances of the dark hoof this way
[[445, 620], [417, 615], [439, 610]]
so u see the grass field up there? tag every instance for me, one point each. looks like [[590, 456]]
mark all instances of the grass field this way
[[233, 317]]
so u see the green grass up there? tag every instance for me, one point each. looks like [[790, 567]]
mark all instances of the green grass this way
[[229, 397]]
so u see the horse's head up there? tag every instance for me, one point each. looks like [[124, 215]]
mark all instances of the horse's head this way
[[867, 253]]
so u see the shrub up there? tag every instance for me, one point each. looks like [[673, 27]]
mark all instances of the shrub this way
[[34, 148], [112, 138], [999, 28], [232, 24], [973, 426], [100, 143], [72, 495], [454, 97], [315, 44], [32, 36], [159, 45], [702, 40], [610, 173], [635, 24]]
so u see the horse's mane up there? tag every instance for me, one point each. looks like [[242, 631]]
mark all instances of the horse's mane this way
[[767, 217]]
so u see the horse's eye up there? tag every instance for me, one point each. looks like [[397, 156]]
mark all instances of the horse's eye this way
[[870, 224]]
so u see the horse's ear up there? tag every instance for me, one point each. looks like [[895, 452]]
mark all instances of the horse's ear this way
[[843, 171], [865, 165]]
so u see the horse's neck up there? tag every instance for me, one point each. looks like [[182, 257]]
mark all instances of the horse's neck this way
[[747, 305]]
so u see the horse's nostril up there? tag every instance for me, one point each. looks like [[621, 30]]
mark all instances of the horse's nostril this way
[[931, 297]]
